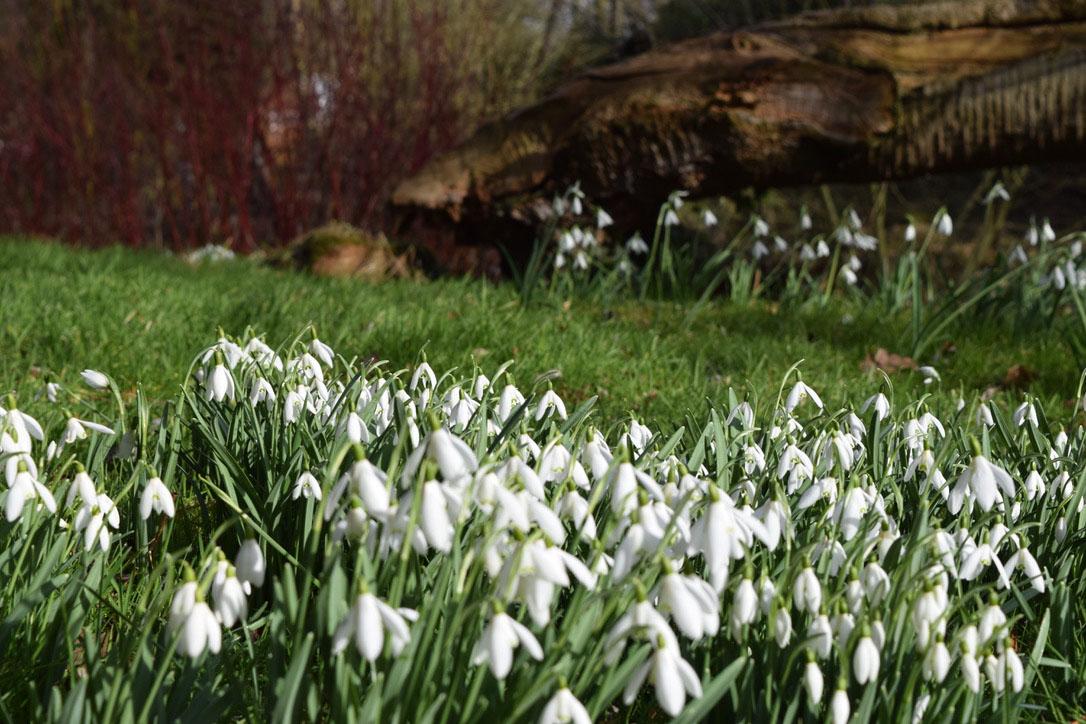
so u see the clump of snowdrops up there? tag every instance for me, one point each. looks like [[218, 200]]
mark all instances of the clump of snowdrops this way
[[303, 535]]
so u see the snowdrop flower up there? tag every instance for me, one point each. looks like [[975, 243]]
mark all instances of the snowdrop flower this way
[[94, 379], [424, 373], [671, 218], [636, 244], [564, 707], [550, 401], [83, 487], [930, 374], [26, 487], [880, 404], [945, 224], [626, 480], [692, 603], [156, 497], [813, 682], [1034, 485], [1024, 560], [250, 564], [799, 394], [744, 607], [936, 662], [759, 250], [782, 627], [670, 674], [95, 519], [436, 519], [807, 591], [984, 481], [200, 631], [804, 219], [1047, 233], [306, 486], [501, 636], [708, 218], [76, 429], [369, 622], [910, 233], [293, 405], [970, 667], [1024, 413], [761, 228], [455, 460], [984, 416], [603, 219], [997, 192], [219, 385], [992, 620], [820, 636], [322, 352], [780, 244], [228, 593], [261, 391], [865, 660], [839, 706]]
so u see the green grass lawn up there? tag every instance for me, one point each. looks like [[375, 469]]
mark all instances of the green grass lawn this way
[[143, 316]]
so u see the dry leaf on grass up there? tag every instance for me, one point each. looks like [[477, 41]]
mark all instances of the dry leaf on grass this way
[[887, 361]]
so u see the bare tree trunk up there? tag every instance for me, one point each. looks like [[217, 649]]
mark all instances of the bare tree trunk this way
[[856, 95]]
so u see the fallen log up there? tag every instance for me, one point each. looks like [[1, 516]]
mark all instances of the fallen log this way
[[854, 95]]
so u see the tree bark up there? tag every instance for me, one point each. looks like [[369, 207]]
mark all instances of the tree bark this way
[[850, 95]]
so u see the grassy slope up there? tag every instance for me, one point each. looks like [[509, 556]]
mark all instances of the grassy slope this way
[[143, 316]]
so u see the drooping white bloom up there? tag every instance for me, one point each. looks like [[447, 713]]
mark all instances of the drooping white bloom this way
[[636, 244], [929, 373], [945, 224], [865, 661], [1024, 413], [228, 593], [156, 497], [603, 219], [95, 379], [820, 636], [984, 481], [368, 623], [936, 662], [95, 519], [550, 401], [306, 486], [708, 218], [800, 393], [813, 682], [250, 564], [83, 487], [807, 591], [671, 675], [501, 636], [455, 460], [881, 405], [840, 707], [219, 385], [25, 487], [200, 631], [322, 352], [564, 707]]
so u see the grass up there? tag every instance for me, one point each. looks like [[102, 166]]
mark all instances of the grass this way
[[142, 316]]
